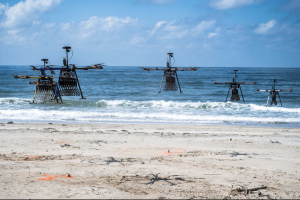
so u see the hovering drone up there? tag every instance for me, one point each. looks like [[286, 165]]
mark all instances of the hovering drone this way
[[234, 86], [170, 73], [67, 85], [273, 94]]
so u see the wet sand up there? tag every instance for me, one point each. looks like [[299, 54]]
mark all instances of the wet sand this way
[[148, 161]]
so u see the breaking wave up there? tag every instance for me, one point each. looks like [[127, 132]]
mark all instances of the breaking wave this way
[[230, 106], [126, 111]]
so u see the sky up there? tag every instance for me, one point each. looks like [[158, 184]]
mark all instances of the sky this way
[[207, 33]]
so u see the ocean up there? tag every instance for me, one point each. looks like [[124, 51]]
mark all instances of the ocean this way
[[130, 95]]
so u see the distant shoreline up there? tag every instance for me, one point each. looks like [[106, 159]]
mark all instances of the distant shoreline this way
[[297, 67]]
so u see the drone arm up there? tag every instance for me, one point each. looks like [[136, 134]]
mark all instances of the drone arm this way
[[156, 69], [268, 99], [79, 86], [258, 90], [26, 77], [57, 68], [283, 90], [227, 95], [35, 91], [216, 83], [244, 83], [178, 82], [185, 69], [57, 86]]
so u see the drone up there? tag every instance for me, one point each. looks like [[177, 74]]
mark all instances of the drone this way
[[273, 94], [234, 86], [66, 85], [170, 73]]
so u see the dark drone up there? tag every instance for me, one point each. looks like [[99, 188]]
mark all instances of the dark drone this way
[[67, 85], [234, 86], [170, 73], [273, 93]]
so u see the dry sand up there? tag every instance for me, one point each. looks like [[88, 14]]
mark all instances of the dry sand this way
[[148, 161]]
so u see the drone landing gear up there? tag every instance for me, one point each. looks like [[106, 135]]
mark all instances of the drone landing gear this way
[[170, 82], [242, 94], [235, 95], [68, 84], [178, 83], [46, 91], [227, 95], [79, 87], [274, 101], [279, 98], [162, 80]]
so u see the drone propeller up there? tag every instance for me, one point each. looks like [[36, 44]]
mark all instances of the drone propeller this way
[[33, 67], [21, 76]]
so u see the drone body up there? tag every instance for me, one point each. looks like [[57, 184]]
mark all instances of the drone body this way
[[234, 87], [67, 85], [273, 94], [170, 73]]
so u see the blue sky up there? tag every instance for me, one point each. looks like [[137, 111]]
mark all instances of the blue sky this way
[[209, 33]]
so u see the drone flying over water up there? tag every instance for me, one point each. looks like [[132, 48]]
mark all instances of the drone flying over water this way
[[66, 85], [170, 73], [273, 94], [234, 86]]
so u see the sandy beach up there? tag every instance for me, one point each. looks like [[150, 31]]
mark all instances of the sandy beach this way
[[148, 161]]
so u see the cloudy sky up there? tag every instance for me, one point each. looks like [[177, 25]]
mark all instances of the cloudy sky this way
[[208, 33]]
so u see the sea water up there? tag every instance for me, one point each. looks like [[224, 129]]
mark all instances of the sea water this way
[[130, 95]]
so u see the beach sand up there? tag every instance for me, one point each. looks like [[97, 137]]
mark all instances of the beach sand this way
[[148, 161]]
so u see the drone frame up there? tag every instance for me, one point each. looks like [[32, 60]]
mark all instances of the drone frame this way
[[234, 86], [273, 93], [170, 73], [55, 90]]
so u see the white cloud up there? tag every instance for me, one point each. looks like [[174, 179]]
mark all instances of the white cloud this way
[[157, 26], [155, 1], [169, 30], [161, 1], [292, 5], [212, 35], [264, 28], [107, 24], [25, 12], [13, 37], [175, 35], [135, 40], [3, 8], [227, 4], [204, 25], [171, 27]]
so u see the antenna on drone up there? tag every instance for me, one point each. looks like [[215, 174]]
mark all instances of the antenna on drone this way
[[66, 59], [169, 62], [235, 76], [45, 61]]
